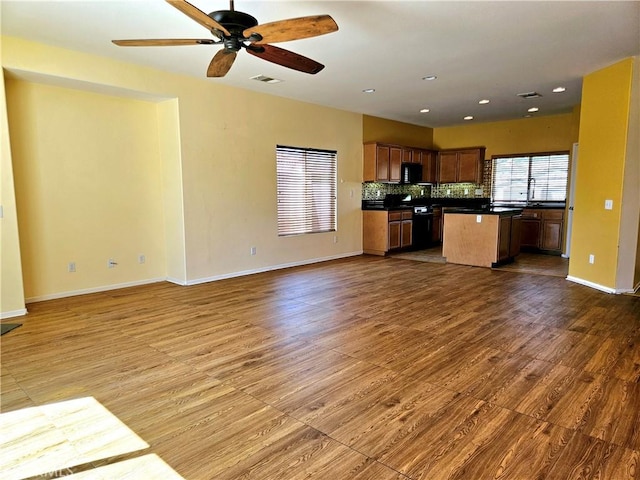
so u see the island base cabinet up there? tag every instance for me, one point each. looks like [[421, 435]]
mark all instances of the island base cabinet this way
[[480, 240]]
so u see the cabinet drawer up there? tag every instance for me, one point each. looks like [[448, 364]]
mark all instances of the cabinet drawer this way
[[395, 216], [531, 214], [553, 214]]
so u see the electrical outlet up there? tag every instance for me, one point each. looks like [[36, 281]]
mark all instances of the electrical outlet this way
[[448, 191], [608, 204], [478, 218], [592, 259], [253, 251], [71, 267], [335, 239], [141, 258], [466, 191]]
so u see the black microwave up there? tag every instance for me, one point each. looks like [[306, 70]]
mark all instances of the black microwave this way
[[411, 173]]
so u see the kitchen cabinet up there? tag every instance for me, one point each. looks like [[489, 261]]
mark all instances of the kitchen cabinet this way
[[429, 161], [386, 230], [382, 162], [461, 165], [481, 238], [542, 230], [437, 225]]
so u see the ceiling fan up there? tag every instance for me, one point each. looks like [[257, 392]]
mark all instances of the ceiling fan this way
[[236, 30]]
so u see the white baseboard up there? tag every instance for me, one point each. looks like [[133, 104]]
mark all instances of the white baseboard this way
[[270, 268], [587, 283], [105, 288], [84, 291], [14, 313]]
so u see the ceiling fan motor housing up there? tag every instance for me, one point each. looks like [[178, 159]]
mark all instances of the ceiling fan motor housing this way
[[235, 22]]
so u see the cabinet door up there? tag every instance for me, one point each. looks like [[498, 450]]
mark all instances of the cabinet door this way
[[406, 236], [447, 167], [395, 161], [407, 155], [469, 164], [530, 233], [416, 156], [395, 232], [437, 227], [516, 233], [551, 238], [429, 166], [382, 163], [504, 237]]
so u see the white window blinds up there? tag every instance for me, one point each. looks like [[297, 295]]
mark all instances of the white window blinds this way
[[538, 177], [306, 183]]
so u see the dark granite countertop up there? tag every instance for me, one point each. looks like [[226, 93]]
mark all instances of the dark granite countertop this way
[[506, 211]]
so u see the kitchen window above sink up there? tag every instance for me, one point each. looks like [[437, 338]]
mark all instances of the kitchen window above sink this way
[[530, 178]]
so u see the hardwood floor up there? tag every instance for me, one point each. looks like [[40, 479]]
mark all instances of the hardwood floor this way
[[362, 368]]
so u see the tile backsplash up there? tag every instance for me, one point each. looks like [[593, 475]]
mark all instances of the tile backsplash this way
[[373, 190]]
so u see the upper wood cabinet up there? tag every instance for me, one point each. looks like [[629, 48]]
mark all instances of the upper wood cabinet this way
[[460, 165], [429, 162], [382, 162]]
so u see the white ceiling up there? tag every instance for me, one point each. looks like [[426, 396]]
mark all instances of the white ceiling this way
[[478, 50]]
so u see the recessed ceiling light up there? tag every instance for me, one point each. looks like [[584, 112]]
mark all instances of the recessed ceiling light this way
[[429, 77], [533, 109], [528, 115], [468, 117], [424, 110], [368, 90], [484, 101], [559, 90]]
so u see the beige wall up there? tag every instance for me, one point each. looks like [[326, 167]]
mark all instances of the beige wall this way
[[390, 131], [11, 290], [526, 135], [226, 159], [88, 188]]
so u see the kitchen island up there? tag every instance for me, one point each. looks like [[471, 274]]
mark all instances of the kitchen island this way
[[481, 237]]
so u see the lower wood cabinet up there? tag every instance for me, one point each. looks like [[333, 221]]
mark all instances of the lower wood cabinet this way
[[542, 230], [384, 230], [436, 234]]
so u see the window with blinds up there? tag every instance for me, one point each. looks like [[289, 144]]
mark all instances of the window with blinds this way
[[536, 177], [307, 184]]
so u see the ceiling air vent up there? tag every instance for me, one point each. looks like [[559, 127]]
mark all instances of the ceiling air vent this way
[[265, 79], [529, 95]]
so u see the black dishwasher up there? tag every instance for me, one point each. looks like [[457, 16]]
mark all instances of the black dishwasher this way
[[422, 227]]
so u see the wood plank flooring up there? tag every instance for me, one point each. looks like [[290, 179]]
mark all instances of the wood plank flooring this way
[[361, 368]]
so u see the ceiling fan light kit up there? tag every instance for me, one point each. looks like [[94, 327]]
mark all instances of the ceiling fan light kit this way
[[236, 30]]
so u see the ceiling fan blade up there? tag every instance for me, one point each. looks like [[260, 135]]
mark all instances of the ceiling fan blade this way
[[285, 58], [162, 42], [198, 15], [293, 29], [221, 63]]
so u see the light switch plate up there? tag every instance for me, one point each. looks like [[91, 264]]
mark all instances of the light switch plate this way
[[608, 204], [478, 218]]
